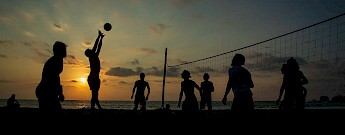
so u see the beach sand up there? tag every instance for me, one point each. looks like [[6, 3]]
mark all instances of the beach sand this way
[[112, 119]]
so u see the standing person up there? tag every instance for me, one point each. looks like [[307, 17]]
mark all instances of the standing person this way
[[240, 81], [206, 90], [12, 103], [282, 87], [49, 90], [95, 67], [293, 81], [190, 103], [141, 85]]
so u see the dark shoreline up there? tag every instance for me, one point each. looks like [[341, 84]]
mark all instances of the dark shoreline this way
[[174, 114]]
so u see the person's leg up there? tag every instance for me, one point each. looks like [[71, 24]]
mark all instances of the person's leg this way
[[136, 103], [209, 105], [93, 99], [97, 101], [143, 105]]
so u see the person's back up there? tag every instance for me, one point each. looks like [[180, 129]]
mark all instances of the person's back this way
[[141, 86], [95, 65], [242, 80], [51, 77], [188, 89]]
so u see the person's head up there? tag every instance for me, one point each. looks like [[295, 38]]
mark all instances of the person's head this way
[[13, 96], [88, 52], [185, 74], [142, 76], [292, 63], [238, 60], [59, 49], [206, 76]]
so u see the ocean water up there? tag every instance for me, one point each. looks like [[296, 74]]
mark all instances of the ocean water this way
[[152, 105]]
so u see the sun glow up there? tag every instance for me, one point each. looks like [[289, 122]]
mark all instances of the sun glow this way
[[83, 80]]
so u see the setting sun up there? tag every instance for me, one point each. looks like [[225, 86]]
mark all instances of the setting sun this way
[[83, 80]]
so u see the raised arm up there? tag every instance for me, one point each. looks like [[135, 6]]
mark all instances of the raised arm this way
[[100, 36], [95, 45]]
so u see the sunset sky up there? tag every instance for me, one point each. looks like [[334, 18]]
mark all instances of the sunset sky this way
[[141, 30]]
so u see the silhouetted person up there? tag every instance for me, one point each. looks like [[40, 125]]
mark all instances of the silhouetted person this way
[[141, 85], [206, 90], [95, 67], [282, 87], [12, 103], [187, 87], [240, 81], [293, 81], [49, 90]]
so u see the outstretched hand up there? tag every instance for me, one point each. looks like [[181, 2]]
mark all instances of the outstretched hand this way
[[100, 34]]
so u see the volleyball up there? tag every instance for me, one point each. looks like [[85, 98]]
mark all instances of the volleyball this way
[[107, 26]]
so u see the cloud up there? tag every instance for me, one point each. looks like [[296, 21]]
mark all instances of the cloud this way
[[3, 56], [195, 17], [158, 28], [41, 55], [72, 60], [121, 72], [123, 83], [29, 34], [5, 81], [74, 81], [182, 3], [27, 16], [154, 71], [135, 62], [148, 50], [87, 44], [227, 23], [57, 27], [204, 69], [7, 42], [6, 20]]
